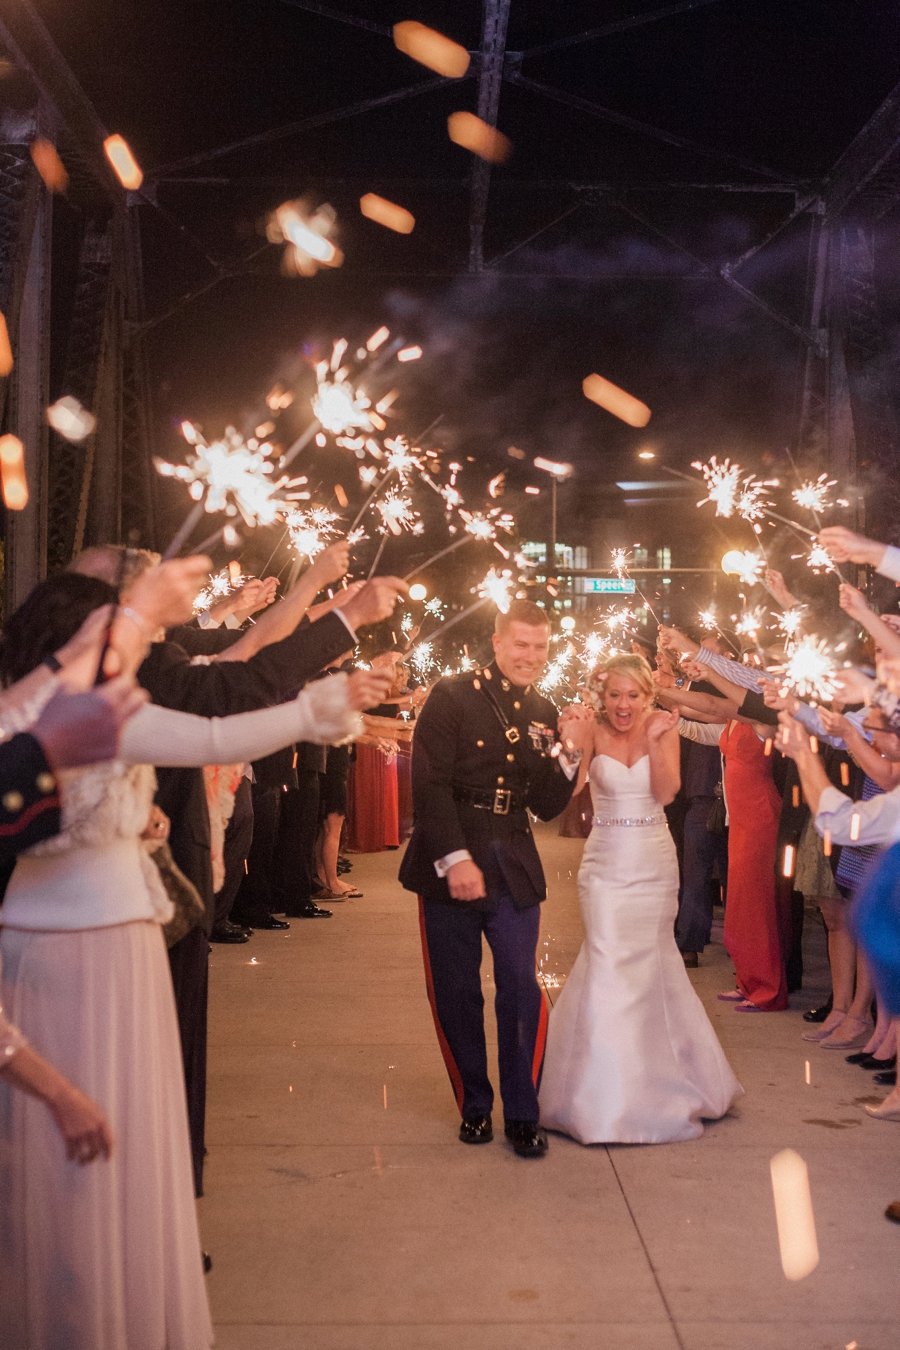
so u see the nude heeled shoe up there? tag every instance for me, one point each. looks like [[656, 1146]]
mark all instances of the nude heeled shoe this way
[[879, 1113]]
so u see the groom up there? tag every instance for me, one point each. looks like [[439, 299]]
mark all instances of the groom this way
[[485, 749]]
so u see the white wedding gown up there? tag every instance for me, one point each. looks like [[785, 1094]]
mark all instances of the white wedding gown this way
[[631, 1056]]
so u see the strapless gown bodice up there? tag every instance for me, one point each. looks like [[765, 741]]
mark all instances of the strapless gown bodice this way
[[631, 1055]]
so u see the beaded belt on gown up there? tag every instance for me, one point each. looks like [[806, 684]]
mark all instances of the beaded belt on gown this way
[[630, 820]]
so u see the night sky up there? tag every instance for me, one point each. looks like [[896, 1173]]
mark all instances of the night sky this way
[[616, 286]]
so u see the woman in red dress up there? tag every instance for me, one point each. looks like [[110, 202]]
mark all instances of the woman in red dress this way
[[752, 923], [373, 808]]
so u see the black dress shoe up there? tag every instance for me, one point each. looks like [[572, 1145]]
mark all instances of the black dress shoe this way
[[226, 931], [308, 911], [477, 1130], [269, 921], [818, 1014], [859, 1057], [691, 960], [527, 1138], [888, 1079], [878, 1065]]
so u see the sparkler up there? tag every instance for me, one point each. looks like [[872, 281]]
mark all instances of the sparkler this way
[[707, 620], [218, 586], [746, 566], [311, 530], [620, 560], [497, 587], [228, 475], [790, 620], [67, 417], [820, 560], [421, 660], [400, 459], [813, 496], [555, 674], [750, 622], [810, 669], [339, 407], [397, 514], [730, 494]]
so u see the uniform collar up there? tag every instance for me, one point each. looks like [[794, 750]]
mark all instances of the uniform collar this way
[[498, 682]]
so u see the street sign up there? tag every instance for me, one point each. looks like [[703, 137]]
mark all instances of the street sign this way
[[608, 585]]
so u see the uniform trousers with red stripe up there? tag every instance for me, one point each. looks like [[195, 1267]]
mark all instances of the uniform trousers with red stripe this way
[[452, 948]]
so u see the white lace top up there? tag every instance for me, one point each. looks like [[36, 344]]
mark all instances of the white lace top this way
[[94, 873]]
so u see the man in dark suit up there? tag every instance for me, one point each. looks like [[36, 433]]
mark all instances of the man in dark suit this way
[[485, 752]]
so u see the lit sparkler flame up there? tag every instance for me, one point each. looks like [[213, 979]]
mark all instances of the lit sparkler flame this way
[[750, 622], [237, 475], [751, 568], [435, 607], [400, 459], [790, 620], [338, 406], [722, 481], [311, 530], [217, 588], [820, 560], [555, 674], [810, 669], [707, 619], [397, 513], [813, 496], [497, 587], [421, 659], [307, 235], [620, 560]]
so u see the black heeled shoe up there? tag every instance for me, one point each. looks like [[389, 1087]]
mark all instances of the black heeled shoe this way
[[874, 1065]]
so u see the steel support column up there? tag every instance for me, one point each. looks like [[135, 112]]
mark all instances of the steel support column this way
[[493, 50]]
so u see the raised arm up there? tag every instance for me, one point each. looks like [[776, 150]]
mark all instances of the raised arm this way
[[281, 619], [664, 753], [327, 712]]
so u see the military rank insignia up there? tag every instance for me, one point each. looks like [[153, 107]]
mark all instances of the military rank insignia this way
[[542, 737]]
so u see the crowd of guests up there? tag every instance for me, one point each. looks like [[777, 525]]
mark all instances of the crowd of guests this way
[[168, 778], [157, 774], [786, 808]]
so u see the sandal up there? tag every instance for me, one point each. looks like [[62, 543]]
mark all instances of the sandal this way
[[731, 996]]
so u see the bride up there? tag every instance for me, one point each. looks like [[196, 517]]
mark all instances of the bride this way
[[631, 1055]]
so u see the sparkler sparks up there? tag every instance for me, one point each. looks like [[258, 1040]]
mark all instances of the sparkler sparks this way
[[421, 660], [820, 560], [707, 619], [236, 475], [746, 566], [555, 674], [397, 514], [813, 496], [620, 560], [790, 621], [400, 459], [311, 530], [721, 484], [810, 669], [307, 235], [750, 622], [497, 587], [338, 406], [218, 586]]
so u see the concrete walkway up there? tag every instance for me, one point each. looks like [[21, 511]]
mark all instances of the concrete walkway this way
[[342, 1213]]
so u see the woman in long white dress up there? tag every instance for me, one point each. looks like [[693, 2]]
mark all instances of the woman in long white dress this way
[[631, 1055], [108, 1257]]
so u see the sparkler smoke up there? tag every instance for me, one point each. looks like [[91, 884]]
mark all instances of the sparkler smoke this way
[[813, 496], [810, 669]]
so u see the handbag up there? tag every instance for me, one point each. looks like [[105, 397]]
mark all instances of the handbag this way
[[716, 821], [189, 908]]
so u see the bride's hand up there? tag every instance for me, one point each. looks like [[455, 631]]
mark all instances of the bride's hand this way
[[659, 723]]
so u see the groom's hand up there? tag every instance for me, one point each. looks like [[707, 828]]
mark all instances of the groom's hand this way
[[466, 881]]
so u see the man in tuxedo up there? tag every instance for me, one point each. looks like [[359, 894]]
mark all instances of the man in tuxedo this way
[[486, 752]]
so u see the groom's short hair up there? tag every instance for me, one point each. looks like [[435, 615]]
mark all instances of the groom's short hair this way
[[521, 611]]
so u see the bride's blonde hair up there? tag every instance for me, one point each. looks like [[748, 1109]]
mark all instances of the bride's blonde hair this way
[[636, 667]]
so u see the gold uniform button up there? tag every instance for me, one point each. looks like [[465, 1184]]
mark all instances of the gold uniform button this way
[[501, 780], [46, 782], [511, 758], [517, 706], [480, 744], [487, 674], [476, 684], [13, 801]]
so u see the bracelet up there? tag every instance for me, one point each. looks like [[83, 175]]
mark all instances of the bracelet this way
[[139, 622], [53, 662]]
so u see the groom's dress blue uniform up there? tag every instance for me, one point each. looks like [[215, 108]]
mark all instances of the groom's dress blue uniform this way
[[477, 764]]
